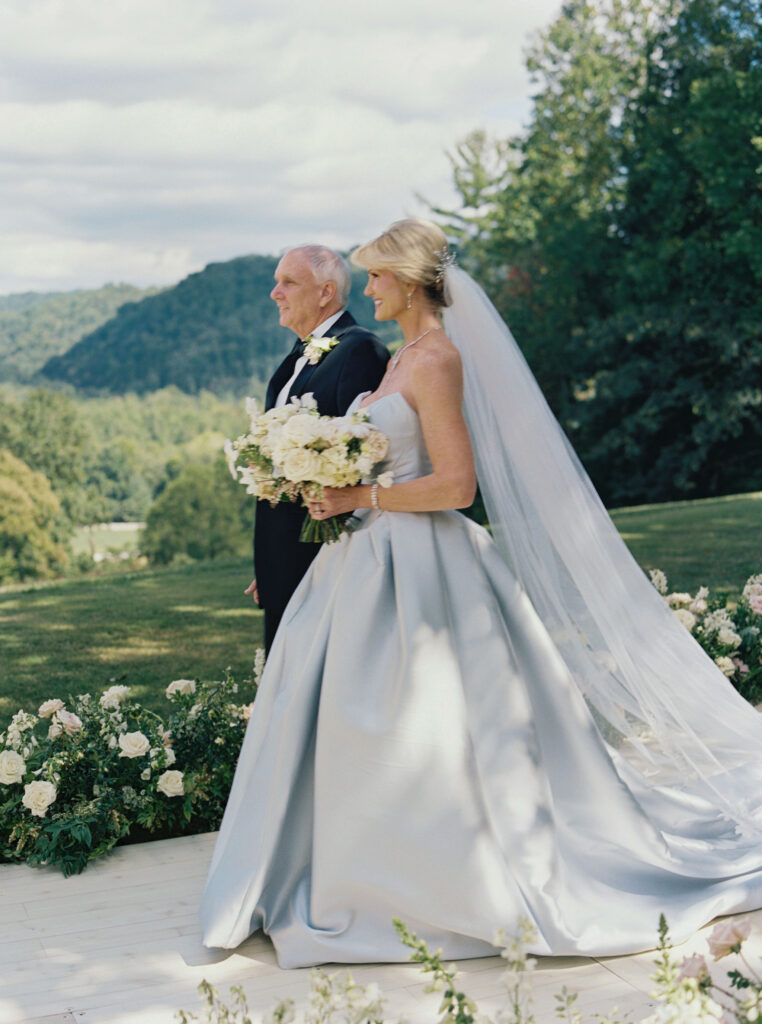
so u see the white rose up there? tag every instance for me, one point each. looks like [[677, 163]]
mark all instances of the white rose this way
[[687, 618], [49, 707], [70, 722], [302, 429], [145, 774], [112, 697], [55, 729], [301, 464], [170, 783], [182, 686], [169, 754], [676, 600], [133, 744], [12, 767], [38, 796], [385, 479]]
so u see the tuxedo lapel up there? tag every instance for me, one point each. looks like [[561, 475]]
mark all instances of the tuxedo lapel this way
[[300, 385]]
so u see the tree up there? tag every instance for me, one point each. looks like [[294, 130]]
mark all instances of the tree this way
[[540, 211], [30, 524], [672, 408], [44, 430], [203, 513]]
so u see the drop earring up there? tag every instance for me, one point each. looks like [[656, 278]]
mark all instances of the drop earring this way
[[410, 300]]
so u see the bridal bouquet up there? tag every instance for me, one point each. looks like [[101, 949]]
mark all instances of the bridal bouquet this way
[[293, 452]]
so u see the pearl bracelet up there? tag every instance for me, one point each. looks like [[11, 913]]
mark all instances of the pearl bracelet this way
[[374, 496]]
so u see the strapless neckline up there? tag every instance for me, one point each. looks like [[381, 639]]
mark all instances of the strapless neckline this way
[[391, 394]]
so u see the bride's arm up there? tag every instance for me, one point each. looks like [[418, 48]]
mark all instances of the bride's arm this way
[[434, 387]]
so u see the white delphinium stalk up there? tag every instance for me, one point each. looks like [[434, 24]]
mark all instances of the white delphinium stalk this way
[[517, 977]]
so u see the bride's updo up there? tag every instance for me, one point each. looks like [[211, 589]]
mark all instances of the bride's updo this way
[[415, 251]]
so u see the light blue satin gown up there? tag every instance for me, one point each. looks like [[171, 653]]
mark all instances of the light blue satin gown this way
[[418, 750]]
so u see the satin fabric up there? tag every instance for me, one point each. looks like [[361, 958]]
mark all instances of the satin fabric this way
[[419, 749]]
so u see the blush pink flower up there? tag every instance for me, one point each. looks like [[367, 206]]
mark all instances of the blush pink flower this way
[[70, 722], [694, 967], [727, 934]]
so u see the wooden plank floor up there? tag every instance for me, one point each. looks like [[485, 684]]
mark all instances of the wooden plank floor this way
[[120, 944]]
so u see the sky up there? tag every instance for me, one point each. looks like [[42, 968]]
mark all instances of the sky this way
[[142, 139]]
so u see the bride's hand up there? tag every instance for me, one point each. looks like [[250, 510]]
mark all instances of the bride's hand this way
[[334, 501]]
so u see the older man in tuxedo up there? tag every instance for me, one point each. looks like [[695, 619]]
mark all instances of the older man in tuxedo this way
[[311, 289]]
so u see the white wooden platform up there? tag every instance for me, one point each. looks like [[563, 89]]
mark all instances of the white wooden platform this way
[[120, 944]]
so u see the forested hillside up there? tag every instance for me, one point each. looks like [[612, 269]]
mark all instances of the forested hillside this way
[[217, 330], [37, 325]]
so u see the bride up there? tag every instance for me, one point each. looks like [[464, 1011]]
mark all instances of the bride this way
[[460, 730]]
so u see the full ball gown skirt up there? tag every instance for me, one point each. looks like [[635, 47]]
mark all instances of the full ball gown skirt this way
[[417, 749]]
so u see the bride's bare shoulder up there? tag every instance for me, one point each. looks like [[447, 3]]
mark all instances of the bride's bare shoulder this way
[[438, 357]]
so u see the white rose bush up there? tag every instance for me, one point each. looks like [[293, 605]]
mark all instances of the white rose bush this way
[[83, 774], [732, 636], [292, 452]]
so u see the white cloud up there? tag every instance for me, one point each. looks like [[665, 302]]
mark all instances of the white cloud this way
[[153, 136]]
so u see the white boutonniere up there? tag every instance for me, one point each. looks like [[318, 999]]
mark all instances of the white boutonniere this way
[[316, 348]]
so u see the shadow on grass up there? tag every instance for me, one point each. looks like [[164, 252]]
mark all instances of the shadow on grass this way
[[142, 629]]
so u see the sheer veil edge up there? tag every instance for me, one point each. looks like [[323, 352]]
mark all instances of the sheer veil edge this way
[[667, 713]]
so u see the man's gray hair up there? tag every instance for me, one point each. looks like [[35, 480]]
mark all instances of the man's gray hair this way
[[328, 265]]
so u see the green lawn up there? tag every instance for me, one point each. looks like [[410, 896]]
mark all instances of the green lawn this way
[[147, 628], [143, 629], [715, 541]]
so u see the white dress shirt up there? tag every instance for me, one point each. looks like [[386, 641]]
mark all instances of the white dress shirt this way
[[320, 332]]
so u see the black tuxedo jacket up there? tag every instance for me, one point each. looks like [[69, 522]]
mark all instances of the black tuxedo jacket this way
[[356, 364]]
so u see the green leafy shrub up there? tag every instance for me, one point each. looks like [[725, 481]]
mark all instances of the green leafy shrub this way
[[74, 781]]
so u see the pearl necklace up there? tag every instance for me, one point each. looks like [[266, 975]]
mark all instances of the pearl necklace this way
[[398, 353]]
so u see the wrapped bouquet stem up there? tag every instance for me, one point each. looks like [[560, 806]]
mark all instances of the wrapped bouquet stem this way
[[292, 452]]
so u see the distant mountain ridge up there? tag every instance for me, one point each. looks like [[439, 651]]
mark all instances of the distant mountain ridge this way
[[216, 330], [34, 326]]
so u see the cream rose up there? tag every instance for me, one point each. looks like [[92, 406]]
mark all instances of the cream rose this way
[[49, 707], [12, 767], [725, 665], [113, 697], [38, 796], [170, 783], [302, 429], [301, 464], [727, 934], [687, 618], [133, 744], [181, 686]]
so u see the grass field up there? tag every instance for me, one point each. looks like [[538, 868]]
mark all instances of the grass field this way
[[149, 627], [143, 629], [715, 541]]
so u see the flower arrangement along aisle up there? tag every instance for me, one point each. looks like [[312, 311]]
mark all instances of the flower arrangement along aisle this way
[[292, 452], [74, 780], [684, 993], [731, 636]]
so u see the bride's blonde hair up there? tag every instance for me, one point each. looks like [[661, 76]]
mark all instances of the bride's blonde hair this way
[[416, 251]]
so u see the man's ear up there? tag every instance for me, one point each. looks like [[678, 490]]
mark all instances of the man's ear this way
[[327, 293]]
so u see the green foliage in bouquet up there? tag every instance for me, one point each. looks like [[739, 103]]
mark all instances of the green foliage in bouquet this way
[[76, 780]]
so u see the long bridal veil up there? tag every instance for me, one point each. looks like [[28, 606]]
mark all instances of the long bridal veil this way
[[670, 719]]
